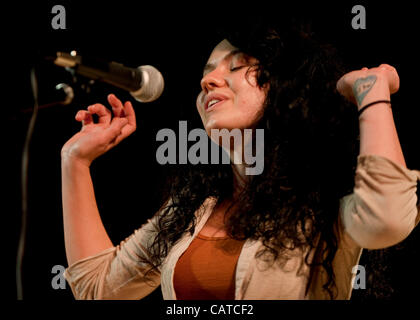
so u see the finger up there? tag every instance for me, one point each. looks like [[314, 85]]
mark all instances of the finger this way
[[116, 104], [103, 113], [84, 116], [130, 114], [114, 131], [385, 66], [79, 115], [364, 69]]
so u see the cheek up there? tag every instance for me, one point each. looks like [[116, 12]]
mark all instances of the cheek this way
[[251, 98], [246, 87]]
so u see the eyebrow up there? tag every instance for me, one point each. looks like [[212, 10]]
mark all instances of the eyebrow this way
[[211, 66]]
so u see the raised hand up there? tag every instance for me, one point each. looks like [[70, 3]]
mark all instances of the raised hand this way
[[366, 85], [94, 139]]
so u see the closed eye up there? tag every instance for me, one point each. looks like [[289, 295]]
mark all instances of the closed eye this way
[[236, 68]]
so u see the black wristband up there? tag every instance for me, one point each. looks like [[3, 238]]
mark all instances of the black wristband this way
[[372, 103]]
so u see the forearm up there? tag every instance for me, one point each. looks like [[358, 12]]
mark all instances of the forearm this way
[[382, 209], [84, 232], [378, 134]]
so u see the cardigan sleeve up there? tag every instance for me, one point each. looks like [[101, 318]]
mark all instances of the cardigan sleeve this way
[[383, 209], [119, 272]]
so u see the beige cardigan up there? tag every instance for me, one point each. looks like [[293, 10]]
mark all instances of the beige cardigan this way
[[379, 213]]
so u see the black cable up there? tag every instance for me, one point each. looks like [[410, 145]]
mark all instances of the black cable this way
[[24, 187]]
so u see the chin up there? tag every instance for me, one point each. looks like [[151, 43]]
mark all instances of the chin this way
[[219, 125]]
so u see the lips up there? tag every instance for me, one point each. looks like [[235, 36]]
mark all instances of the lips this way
[[213, 99]]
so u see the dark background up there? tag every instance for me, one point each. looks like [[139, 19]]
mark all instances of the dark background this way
[[176, 39]]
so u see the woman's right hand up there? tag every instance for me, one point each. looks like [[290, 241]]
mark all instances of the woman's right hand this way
[[94, 139]]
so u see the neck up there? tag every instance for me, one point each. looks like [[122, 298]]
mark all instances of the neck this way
[[239, 178], [236, 147], [236, 153]]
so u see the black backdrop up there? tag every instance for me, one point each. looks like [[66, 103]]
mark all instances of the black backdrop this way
[[176, 39]]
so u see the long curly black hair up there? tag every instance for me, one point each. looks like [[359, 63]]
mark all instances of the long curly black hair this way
[[311, 147]]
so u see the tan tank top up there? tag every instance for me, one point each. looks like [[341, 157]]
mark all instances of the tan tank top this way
[[206, 270]]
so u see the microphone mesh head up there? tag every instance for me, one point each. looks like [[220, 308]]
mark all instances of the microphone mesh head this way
[[152, 85]]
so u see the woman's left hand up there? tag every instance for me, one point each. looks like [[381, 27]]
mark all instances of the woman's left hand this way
[[367, 85]]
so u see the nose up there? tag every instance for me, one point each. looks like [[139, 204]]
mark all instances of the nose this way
[[212, 80]]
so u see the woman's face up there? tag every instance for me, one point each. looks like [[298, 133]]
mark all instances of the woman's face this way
[[229, 97]]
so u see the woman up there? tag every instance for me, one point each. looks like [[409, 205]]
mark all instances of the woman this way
[[297, 230]]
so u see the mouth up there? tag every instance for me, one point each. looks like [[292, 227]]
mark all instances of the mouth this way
[[213, 101], [214, 105]]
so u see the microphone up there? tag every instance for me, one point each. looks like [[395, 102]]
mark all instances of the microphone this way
[[144, 83], [62, 95]]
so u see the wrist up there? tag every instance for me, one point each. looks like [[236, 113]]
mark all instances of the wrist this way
[[374, 103], [70, 161], [378, 91]]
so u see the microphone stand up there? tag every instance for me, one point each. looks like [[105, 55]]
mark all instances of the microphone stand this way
[[68, 98]]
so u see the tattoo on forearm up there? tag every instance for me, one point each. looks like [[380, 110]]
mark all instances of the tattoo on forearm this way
[[362, 86]]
